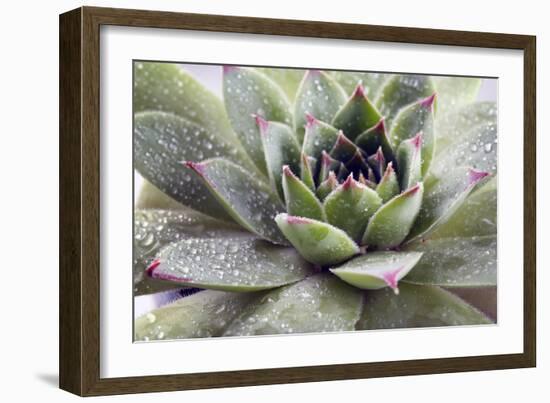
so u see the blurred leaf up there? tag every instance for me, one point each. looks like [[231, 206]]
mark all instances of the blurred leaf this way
[[320, 303], [459, 122], [477, 216], [151, 197], [482, 298], [319, 96], [442, 197], [204, 314], [288, 79], [417, 306], [402, 90], [454, 92], [248, 93], [371, 81], [456, 262]]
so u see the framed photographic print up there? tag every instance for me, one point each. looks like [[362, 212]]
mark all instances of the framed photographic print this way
[[251, 201]]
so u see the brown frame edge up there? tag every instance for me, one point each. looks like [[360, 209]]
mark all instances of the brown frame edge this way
[[79, 200]]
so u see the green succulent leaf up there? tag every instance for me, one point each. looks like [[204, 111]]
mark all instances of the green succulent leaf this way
[[357, 115], [374, 138], [280, 148], [154, 229], [378, 269], [317, 242], [203, 314], [482, 298], [371, 81], [476, 148], [350, 206], [456, 262], [417, 306], [328, 165], [249, 201], [415, 118], [409, 160], [327, 186], [162, 141], [319, 137], [299, 198], [234, 261], [452, 126], [248, 93], [320, 303], [167, 87], [388, 187], [454, 92], [391, 224], [343, 149], [151, 197], [442, 197], [318, 95], [307, 168], [477, 216], [288, 79], [402, 90]]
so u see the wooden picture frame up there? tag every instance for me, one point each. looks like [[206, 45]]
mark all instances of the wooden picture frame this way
[[80, 200]]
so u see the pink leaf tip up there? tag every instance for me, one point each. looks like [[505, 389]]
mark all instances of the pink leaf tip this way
[[417, 140], [288, 172], [428, 102], [474, 176], [227, 69], [151, 268], [359, 91], [412, 190], [195, 166], [310, 120], [391, 278], [380, 127], [262, 124], [349, 183]]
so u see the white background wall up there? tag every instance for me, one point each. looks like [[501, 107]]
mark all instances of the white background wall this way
[[29, 198]]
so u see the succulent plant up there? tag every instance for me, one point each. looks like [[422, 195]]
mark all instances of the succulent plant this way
[[312, 201]]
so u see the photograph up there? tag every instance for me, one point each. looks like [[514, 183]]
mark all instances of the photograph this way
[[272, 200]]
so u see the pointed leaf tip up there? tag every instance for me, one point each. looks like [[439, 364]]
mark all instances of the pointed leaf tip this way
[[417, 140], [391, 278], [195, 166], [359, 91], [310, 120], [151, 268], [429, 101], [380, 127], [474, 176], [262, 123], [349, 183], [377, 270]]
